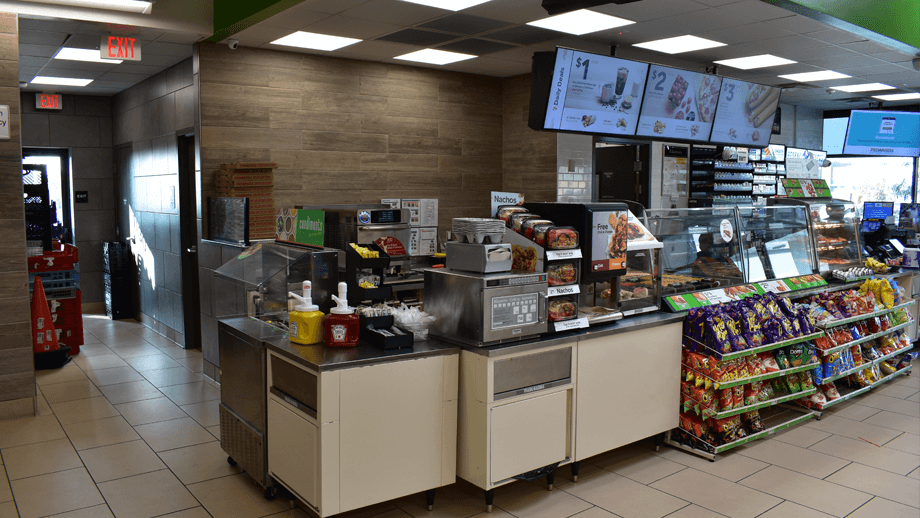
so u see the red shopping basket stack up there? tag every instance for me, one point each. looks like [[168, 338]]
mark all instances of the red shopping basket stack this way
[[60, 278]]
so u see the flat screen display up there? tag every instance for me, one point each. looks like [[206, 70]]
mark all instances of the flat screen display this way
[[835, 131], [745, 113], [878, 210], [678, 104], [595, 94], [883, 133]]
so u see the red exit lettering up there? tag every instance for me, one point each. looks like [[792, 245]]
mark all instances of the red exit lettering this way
[[121, 47]]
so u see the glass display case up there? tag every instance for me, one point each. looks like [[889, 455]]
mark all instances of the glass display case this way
[[256, 282], [777, 242], [700, 248], [835, 236]]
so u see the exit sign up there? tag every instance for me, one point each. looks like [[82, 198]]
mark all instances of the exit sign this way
[[48, 102], [120, 47]]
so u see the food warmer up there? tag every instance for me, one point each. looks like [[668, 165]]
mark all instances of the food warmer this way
[[835, 236], [777, 242], [701, 248]]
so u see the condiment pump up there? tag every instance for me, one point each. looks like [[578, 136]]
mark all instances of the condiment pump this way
[[306, 321], [342, 326]]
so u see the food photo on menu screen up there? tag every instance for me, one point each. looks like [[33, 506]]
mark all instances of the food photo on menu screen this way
[[745, 113], [678, 104], [595, 94]]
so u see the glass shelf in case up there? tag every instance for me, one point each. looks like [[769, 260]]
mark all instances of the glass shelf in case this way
[[835, 236], [777, 242]]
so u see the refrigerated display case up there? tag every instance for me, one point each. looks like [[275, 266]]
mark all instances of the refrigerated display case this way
[[834, 230], [777, 242], [701, 248]]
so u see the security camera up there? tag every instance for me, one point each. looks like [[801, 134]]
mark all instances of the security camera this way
[[826, 163], [233, 44]]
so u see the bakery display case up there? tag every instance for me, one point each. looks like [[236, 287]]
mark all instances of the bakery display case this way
[[700, 248], [834, 230], [776, 242]]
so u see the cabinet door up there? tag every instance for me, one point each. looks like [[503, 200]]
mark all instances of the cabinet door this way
[[528, 434], [292, 454]]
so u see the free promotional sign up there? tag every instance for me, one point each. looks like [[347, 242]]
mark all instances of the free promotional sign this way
[[125, 48], [883, 133], [679, 104]]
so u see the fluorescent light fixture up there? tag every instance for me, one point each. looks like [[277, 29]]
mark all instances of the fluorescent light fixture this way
[[897, 97], [679, 44], [83, 55], [435, 57], [311, 40], [450, 5], [61, 81], [134, 6], [868, 87], [823, 75], [761, 61], [581, 22]]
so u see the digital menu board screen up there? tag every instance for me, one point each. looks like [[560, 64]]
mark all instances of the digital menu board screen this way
[[883, 133], [745, 113], [595, 94], [678, 104]]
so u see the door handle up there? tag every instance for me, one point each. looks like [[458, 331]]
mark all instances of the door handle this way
[[192, 250]]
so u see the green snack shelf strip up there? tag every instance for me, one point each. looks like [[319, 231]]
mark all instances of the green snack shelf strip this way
[[763, 348], [764, 404], [759, 435], [836, 377], [890, 377], [841, 399], [832, 350], [769, 375], [849, 320]]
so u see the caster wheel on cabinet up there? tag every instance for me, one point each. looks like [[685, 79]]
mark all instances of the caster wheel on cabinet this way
[[230, 461], [271, 492]]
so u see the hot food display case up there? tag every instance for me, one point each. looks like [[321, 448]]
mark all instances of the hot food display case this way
[[700, 248], [834, 230], [777, 242]]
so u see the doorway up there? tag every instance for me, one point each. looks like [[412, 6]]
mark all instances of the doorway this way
[[60, 195], [623, 171], [188, 223]]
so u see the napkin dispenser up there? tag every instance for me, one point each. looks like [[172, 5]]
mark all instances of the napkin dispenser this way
[[477, 258]]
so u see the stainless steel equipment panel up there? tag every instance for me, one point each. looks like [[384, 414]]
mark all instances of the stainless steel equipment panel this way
[[532, 372], [242, 365]]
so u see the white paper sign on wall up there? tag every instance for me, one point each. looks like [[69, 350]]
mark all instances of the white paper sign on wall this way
[[4, 121]]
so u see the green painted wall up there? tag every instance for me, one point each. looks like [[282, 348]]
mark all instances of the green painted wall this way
[[233, 16]]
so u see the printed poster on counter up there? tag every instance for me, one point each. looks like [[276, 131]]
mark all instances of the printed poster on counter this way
[[595, 94], [804, 163], [745, 113], [806, 188], [679, 104], [504, 198], [608, 248]]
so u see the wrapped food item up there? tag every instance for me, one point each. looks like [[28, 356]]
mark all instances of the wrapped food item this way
[[717, 334], [886, 368], [751, 392], [781, 359], [788, 328], [773, 331], [755, 365], [854, 333], [832, 365], [884, 323], [830, 391], [751, 330], [752, 421], [505, 211], [739, 396], [769, 362], [796, 355], [786, 306], [793, 383], [562, 308], [528, 225], [807, 382], [517, 219], [726, 399], [825, 342], [562, 273], [766, 392], [816, 400], [538, 233], [732, 326], [561, 238]]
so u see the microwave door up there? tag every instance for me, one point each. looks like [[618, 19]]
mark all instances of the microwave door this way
[[513, 312]]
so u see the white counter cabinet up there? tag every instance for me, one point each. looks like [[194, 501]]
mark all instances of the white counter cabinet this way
[[345, 439]]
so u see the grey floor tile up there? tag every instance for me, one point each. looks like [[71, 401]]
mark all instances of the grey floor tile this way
[[716, 494], [801, 436], [150, 411], [864, 453], [120, 461], [801, 460], [853, 429], [624, 497], [129, 392], [731, 466], [879, 507], [821, 495], [792, 510], [887, 485], [895, 421], [906, 442], [147, 495]]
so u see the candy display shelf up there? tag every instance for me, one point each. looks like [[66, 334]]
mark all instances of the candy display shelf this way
[[774, 420]]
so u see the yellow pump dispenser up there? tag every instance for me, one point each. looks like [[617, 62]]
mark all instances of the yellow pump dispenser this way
[[306, 321]]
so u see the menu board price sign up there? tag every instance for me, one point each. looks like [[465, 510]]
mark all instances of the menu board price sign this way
[[711, 297], [678, 104], [745, 113]]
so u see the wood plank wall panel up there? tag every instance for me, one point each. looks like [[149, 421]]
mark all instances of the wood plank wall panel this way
[[528, 156], [347, 131], [17, 376]]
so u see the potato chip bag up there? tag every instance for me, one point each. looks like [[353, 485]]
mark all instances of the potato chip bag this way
[[781, 359]]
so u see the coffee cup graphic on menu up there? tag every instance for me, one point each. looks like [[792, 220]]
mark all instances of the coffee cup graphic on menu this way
[[622, 74], [607, 93]]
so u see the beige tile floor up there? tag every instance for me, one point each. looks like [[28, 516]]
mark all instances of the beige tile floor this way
[[129, 429]]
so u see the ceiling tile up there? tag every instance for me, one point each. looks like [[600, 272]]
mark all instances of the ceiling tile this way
[[395, 12], [523, 35], [523, 54], [167, 49], [894, 57], [64, 64], [374, 49], [756, 10], [27, 73], [83, 41], [866, 47], [185, 39], [475, 46], [331, 6], [348, 27], [799, 24], [38, 50], [836, 36], [132, 67], [47, 24], [844, 62], [260, 34], [513, 11], [418, 37], [492, 67], [64, 72], [50, 39], [696, 22], [878, 69], [715, 3], [746, 33], [32, 61], [296, 17], [460, 23], [646, 10]]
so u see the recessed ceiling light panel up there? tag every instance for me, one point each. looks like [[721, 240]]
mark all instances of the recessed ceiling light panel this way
[[581, 22], [897, 97], [679, 44], [92, 56], [60, 81], [435, 57], [450, 5], [761, 61], [868, 87], [134, 6], [823, 75], [312, 40]]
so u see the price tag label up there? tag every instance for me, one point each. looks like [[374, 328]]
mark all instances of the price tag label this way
[[563, 290], [554, 255], [577, 323]]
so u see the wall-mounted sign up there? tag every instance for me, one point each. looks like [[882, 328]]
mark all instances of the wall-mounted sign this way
[[81, 196], [48, 102], [120, 47], [4, 121]]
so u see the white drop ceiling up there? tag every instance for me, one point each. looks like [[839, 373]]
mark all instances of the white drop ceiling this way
[[748, 27]]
